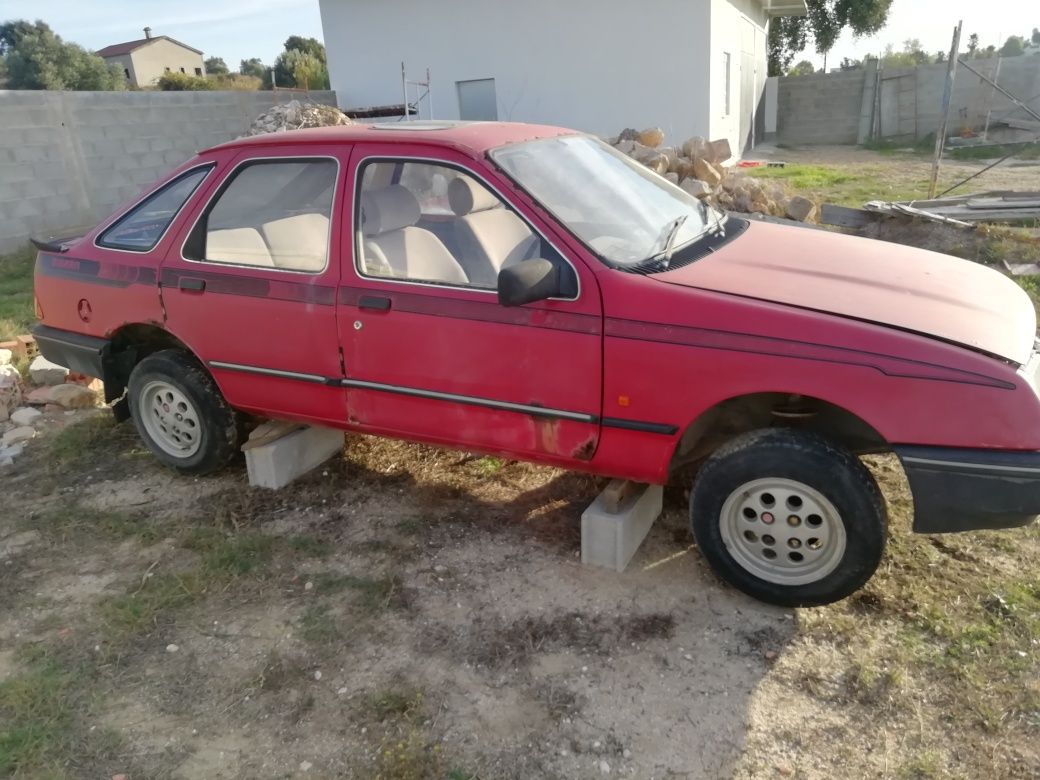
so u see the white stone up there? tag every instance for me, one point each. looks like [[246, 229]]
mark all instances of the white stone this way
[[317, 674], [44, 372], [6, 356], [610, 539], [172, 648], [25, 415], [274, 464], [17, 435], [604, 768], [695, 187], [305, 766], [11, 451]]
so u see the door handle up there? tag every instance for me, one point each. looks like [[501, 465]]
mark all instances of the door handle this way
[[374, 303], [191, 285]]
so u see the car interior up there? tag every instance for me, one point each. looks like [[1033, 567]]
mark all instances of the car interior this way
[[433, 223]]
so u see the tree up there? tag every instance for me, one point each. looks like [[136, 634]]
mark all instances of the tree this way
[[1014, 46], [253, 67], [911, 55], [216, 66], [803, 68], [824, 24], [849, 64], [973, 44], [306, 55], [1035, 39], [36, 58]]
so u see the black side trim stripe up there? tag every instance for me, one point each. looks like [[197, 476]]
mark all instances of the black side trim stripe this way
[[469, 400], [93, 272]]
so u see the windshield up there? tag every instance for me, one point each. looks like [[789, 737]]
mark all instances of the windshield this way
[[618, 208]]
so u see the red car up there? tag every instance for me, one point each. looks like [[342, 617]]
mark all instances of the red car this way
[[530, 292]]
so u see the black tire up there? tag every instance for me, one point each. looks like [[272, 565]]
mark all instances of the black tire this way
[[805, 458], [220, 429]]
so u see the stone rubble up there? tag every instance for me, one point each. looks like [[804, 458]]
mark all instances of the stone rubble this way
[[697, 168], [44, 372], [25, 415], [296, 115]]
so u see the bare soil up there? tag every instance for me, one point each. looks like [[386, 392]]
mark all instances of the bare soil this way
[[420, 613]]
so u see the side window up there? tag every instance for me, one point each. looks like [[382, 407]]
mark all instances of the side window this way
[[140, 229], [270, 214], [434, 223]]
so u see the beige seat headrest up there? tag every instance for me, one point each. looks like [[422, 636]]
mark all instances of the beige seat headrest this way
[[388, 209], [466, 196]]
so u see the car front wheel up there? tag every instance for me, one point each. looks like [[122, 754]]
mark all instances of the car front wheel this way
[[789, 518], [181, 415]]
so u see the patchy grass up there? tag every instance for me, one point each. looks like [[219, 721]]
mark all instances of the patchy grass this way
[[318, 625], [1023, 151], [16, 297], [45, 720], [846, 185]]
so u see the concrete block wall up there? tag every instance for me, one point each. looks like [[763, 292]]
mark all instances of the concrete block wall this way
[[68, 159], [822, 108]]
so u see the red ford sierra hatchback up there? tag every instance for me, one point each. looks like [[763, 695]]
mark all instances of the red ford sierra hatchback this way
[[530, 292]]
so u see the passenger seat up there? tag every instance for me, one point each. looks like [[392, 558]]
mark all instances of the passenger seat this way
[[299, 243], [243, 246], [393, 246], [490, 236]]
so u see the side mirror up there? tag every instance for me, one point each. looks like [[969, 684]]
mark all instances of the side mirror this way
[[527, 282]]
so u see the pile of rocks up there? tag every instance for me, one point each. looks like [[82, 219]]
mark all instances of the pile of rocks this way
[[698, 168], [295, 115], [26, 407]]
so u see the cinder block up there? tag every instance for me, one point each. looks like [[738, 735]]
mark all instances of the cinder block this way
[[273, 460], [610, 539]]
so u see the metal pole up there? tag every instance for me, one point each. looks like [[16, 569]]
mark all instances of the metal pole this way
[[429, 93], [404, 92], [989, 98], [940, 138]]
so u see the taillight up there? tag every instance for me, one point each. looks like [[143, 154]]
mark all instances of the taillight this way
[[39, 309]]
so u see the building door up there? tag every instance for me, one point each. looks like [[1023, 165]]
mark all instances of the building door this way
[[477, 100]]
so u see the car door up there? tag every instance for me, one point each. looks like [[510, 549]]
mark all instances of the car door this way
[[251, 288], [430, 354]]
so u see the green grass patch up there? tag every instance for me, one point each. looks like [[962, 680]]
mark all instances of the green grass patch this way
[[16, 293], [318, 625], [73, 519], [995, 152], [844, 185], [139, 612], [230, 554], [373, 594], [44, 715]]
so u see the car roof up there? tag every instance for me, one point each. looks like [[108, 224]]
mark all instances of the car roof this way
[[474, 138]]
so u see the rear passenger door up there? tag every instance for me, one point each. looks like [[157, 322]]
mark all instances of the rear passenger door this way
[[251, 288]]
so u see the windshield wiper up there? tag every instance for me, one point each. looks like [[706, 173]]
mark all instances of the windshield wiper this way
[[717, 223], [673, 229]]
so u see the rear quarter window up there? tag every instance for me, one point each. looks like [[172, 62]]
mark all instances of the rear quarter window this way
[[141, 228]]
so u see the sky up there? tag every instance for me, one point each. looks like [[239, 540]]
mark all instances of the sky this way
[[240, 29], [932, 22], [231, 29]]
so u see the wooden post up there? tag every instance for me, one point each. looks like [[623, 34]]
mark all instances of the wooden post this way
[[940, 138]]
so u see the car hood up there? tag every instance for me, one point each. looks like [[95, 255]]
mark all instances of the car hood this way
[[888, 284]]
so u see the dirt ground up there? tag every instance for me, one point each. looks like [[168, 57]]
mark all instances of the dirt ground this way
[[405, 612]]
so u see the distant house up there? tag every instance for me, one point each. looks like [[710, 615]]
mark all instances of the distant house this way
[[145, 60], [691, 67]]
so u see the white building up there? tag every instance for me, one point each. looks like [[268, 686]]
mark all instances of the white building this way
[[691, 67]]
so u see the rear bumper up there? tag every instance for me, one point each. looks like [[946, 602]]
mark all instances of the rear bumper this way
[[967, 490], [84, 354]]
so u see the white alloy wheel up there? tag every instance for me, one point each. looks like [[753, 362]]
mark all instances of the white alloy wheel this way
[[170, 419], [782, 531]]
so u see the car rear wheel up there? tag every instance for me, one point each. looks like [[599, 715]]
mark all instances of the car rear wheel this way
[[789, 518], [181, 415]]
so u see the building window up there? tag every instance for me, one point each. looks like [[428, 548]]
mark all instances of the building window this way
[[126, 72], [198, 71], [726, 75], [166, 69], [182, 70]]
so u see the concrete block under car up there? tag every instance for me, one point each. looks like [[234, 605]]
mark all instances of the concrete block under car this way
[[611, 532], [278, 452]]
